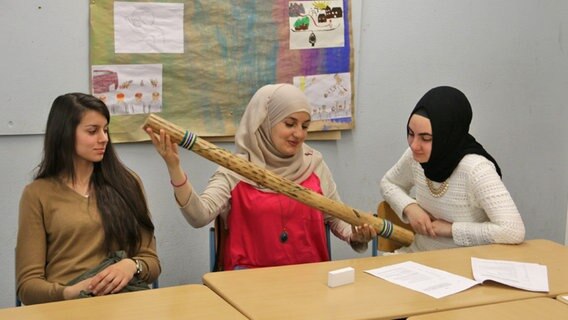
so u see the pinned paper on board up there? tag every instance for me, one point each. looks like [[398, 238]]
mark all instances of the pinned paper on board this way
[[148, 27], [128, 89], [329, 96], [316, 24]]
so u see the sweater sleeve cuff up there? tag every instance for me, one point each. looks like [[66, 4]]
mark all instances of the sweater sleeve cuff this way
[[59, 292], [400, 205], [459, 234]]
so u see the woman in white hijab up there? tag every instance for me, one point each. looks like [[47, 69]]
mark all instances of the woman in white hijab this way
[[265, 228]]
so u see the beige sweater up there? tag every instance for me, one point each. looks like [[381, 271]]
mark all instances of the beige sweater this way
[[60, 236]]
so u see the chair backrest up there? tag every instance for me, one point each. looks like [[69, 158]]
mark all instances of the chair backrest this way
[[385, 212], [217, 237], [18, 302], [328, 238], [212, 250]]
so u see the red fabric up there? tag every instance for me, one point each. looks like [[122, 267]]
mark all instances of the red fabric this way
[[257, 220]]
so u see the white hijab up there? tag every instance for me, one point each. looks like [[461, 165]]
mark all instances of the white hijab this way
[[270, 105]]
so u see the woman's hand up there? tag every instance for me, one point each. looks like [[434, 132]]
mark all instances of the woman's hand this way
[[73, 292], [420, 220], [169, 151], [362, 234], [165, 147], [113, 279]]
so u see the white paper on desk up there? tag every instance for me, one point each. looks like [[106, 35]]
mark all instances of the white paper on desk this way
[[522, 275], [433, 282]]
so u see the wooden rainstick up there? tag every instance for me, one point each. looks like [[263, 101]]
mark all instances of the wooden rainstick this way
[[268, 179]]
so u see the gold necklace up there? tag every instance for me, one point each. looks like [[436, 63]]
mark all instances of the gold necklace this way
[[437, 192]]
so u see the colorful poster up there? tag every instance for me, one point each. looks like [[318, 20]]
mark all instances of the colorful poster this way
[[229, 50]]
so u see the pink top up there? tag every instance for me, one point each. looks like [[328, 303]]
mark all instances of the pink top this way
[[270, 229]]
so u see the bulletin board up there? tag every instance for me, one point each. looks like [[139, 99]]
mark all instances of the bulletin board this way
[[198, 63]]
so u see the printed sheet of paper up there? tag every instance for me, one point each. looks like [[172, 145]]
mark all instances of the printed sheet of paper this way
[[527, 276], [563, 298], [433, 282]]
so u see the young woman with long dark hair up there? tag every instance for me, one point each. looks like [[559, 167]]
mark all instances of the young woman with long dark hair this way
[[82, 206]]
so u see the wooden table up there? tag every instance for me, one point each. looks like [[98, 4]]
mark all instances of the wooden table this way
[[180, 302], [301, 291], [530, 309]]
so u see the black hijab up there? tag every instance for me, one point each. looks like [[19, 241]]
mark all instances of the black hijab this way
[[450, 114]]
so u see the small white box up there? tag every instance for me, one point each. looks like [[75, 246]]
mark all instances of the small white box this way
[[340, 277]]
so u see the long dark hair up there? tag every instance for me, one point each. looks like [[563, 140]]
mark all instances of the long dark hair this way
[[120, 199]]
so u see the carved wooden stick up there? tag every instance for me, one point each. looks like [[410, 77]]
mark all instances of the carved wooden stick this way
[[247, 169]]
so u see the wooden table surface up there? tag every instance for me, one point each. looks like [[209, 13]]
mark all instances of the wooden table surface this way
[[530, 309], [301, 291], [179, 302]]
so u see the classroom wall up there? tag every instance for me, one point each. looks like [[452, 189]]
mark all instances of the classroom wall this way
[[510, 58]]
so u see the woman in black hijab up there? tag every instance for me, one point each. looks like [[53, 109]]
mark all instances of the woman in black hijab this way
[[460, 199]]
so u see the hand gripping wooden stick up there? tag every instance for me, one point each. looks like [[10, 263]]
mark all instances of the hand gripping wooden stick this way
[[266, 178]]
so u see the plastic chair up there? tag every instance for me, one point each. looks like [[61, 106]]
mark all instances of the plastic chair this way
[[384, 211], [328, 238], [212, 249], [375, 243], [218, 238], [18, 302]]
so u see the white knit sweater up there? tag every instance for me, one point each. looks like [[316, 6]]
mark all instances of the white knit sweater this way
[[477, 203]]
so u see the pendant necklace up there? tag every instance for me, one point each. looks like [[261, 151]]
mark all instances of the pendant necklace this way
[[284, 233], [283, 236], [83, 191], [437, 192]]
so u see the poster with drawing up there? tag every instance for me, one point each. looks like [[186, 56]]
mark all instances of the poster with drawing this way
[[128, 89], [330, 98], [316, 24], [198, 63]]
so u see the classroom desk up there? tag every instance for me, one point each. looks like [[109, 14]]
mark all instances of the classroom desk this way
[[301, 291], [181, 302], [529, 309]]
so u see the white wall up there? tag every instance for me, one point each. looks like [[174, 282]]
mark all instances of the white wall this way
[[510, 57]]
